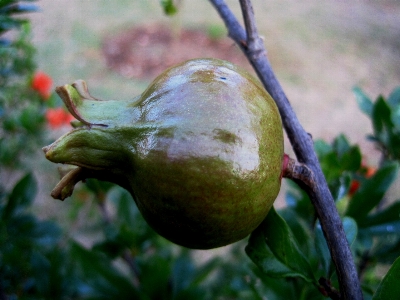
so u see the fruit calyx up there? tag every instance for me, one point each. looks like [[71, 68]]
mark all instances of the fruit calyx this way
[[90, 150], [73, 96]]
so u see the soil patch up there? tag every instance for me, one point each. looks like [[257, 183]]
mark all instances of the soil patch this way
[[147, 50]]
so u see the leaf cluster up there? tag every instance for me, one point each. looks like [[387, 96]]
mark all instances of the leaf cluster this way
[[385, 117], [290, 246], [21, 109], [154, 267], [128, 260], [9, 10], [33, 264]]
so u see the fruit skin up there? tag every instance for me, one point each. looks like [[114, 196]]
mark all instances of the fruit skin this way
[[200, 150]]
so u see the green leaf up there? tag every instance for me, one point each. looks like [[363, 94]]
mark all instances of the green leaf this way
[[396, 116], [389, 288], [322, 249], [331, 166], [154, 276], [298, 200], [19, 8], [21, 196], [350, 229], [384, 229], [133, 230], [299, 228], [351, 159], [364, 103], [100, 274], [182, 272], [97, 186], [259, 252], [7, 23], [277, 252], [46, 234], [322, 148], [381, 120], [127, 211], [169, 7], [394, 98], [31, 118], [188, 276], [111, 248], [389, 214], [342, 190], [202, 272], [341, 145], [4, 3], [387, 248], [371, 192]]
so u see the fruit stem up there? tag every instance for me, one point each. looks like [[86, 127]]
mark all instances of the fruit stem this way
[[297, 171], [67, 183]]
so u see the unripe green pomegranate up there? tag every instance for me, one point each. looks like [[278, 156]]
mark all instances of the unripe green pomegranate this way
[[200, 150]]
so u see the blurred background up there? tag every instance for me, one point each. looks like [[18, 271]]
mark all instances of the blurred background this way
[[319, 49]]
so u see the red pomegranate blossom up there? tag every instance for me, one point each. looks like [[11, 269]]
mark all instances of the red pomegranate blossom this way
[[355, 184], [58, 117], [42, 83]]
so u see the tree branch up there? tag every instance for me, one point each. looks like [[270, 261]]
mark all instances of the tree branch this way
[[254, 43], [302, 145]]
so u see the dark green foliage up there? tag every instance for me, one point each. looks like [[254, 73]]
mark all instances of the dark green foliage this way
[[38, 261], [372, 227], [16, 55], [385, 117], [21, 108], [371, 193], [274, 249], [389, 288], [126, 259], [154, 268], [8, 10], [33, 263]]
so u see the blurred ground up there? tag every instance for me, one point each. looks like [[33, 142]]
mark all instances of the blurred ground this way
[[144, 52], [319, 49]]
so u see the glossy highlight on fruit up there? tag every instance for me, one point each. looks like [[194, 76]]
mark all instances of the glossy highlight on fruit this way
[[200, 150]]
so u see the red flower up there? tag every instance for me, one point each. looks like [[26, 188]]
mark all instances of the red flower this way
[[42, 83], [57, 117], [355, 184], [370, 172]]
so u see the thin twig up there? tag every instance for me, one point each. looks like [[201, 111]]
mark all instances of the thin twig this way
[[254, 43], [327, 289], [303, 147]]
